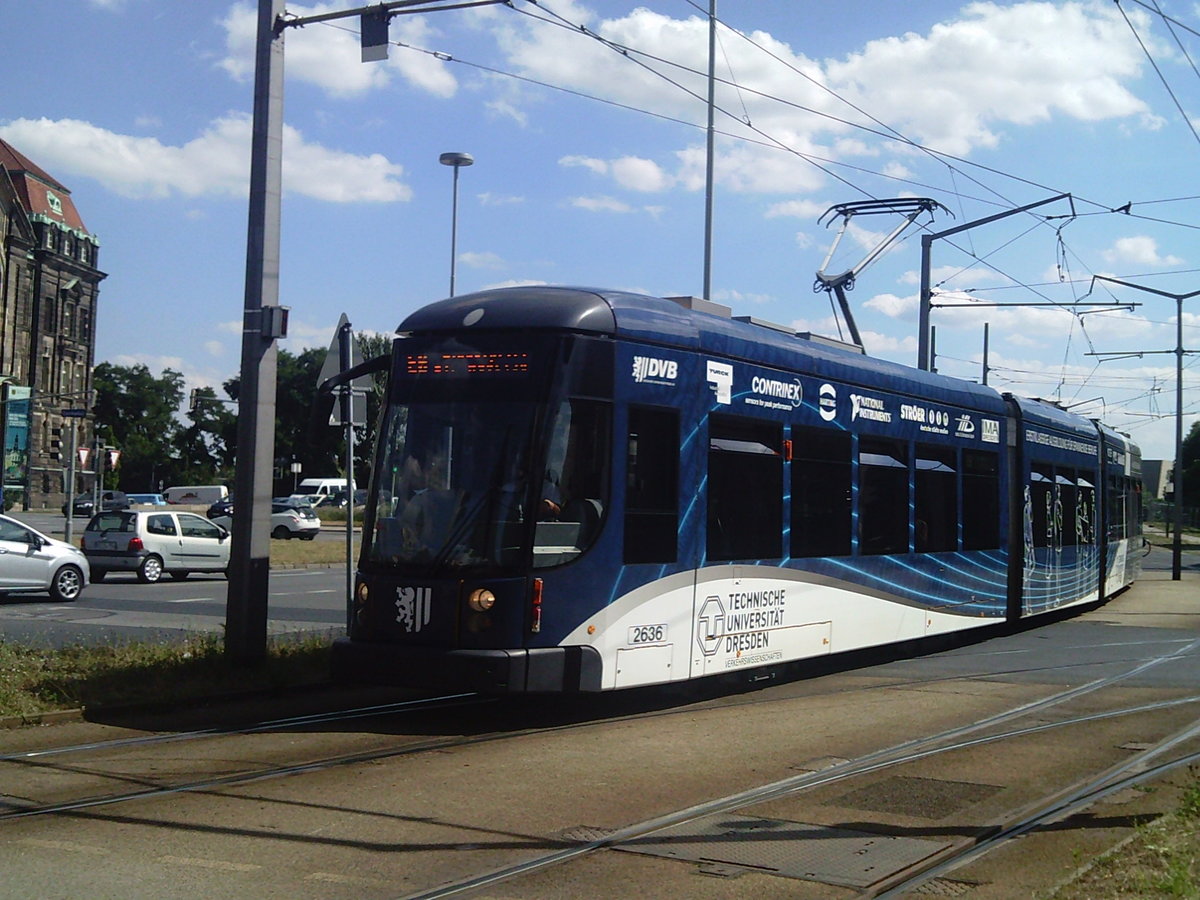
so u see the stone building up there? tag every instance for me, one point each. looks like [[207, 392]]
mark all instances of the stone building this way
[[49, 287]]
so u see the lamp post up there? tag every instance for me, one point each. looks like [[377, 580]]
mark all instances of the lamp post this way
[[457, 161]]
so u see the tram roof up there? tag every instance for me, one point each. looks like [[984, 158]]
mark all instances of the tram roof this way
[[670, 323], [1049, 415]]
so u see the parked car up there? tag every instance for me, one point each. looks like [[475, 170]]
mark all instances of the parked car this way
[[288, 520], [147, 500], [337, 500], [221, 508], [31, 562], [84, 506], [320, 489], [150, 543], [195, 494]]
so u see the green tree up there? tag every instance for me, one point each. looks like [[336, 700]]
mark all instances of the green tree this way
[[135, 412], [300, 434], [206, 446], [1190, 466]]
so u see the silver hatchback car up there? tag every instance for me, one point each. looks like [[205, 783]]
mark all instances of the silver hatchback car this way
[[151, 543], [30, 561]]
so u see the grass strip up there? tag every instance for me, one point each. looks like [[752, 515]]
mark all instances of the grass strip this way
[[37, 680]]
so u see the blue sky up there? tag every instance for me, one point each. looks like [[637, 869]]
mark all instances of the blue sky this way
[[589, 169]]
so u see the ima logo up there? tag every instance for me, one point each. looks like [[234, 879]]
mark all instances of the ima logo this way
[[413, 606], [652, 369]]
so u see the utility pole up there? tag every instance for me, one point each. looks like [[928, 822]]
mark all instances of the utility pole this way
[[985, 352], [250, 550], [264, 320], [708, 166], [1177, 480]]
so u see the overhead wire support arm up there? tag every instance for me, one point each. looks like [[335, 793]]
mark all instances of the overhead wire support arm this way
[[394, 8], [909, 207], [924, 360]]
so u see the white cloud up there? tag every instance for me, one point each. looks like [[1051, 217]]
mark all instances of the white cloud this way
[[800, 209], [601, 204], [598, 166], [877, 344], [1139, 250], [513, 282], [639, 174], [481, 260], [958, 87], [996, 65], [216, 163], [738, 298], [893, 306], [487, 198]]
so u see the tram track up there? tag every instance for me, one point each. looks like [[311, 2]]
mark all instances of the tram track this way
[[993, 729], [344, 715], [149, 787], [1060, 802], [1065, 802]]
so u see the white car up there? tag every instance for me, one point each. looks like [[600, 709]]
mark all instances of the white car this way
[[288, 520], [151, 543], [31, 561]]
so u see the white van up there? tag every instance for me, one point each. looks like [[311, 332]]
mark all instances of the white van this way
[[318, 490], [196, 494]]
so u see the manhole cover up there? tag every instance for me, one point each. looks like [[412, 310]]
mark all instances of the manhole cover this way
[[788, 849], [926, 798]]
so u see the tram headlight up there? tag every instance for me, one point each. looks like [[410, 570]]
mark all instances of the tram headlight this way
[[481, 600]]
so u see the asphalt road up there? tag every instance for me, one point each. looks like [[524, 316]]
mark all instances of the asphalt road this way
[[300, 600]]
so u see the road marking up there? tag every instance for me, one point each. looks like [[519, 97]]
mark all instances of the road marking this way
[[65, 845], [337, 878], [194, 600], [221, 864]]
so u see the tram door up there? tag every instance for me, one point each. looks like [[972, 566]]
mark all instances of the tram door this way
[[1061, 555]]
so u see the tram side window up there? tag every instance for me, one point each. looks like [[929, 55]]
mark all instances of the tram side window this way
[[1064, 481], [936, 495], [981, 500], [1085, 518], [821, 493], [745, 489], [1134, 517], [1117, 521], [652, 486], [1041, 492], [882, 496]]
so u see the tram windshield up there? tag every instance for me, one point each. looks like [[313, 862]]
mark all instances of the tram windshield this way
[[492, 472]]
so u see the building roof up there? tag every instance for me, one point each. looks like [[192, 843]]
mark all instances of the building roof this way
[[42, 195]]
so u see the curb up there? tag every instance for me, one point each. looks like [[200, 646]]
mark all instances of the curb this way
[[51, 717]]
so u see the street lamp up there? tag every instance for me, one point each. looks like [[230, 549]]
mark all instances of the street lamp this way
[[457, 160]]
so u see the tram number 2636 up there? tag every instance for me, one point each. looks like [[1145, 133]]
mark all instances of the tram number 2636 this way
[[647, 634]]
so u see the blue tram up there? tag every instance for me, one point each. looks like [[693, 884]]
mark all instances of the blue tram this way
[[586, 490]]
